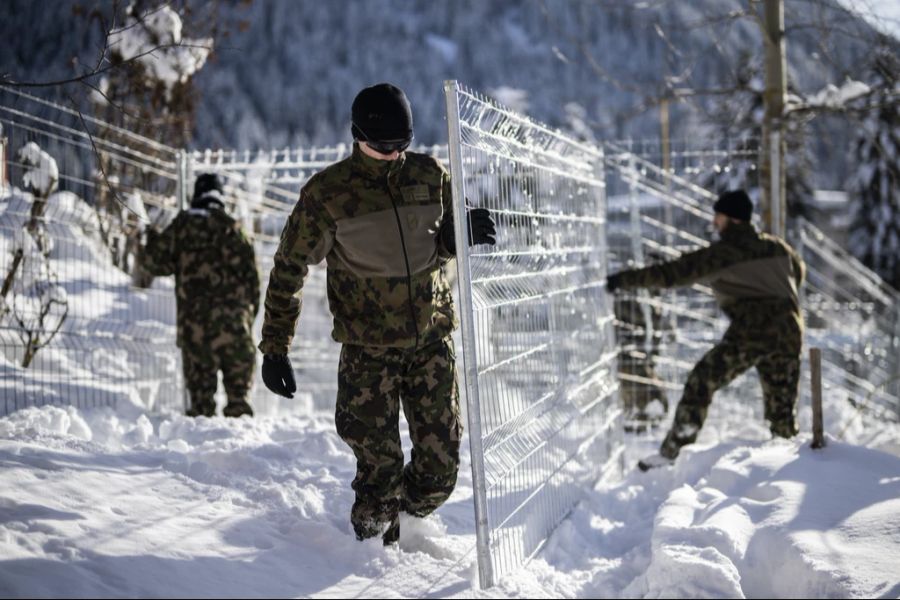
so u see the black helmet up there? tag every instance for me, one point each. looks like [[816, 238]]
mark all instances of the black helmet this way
[[382, 113]]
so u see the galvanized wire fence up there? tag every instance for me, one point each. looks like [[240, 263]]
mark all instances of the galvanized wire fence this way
[[655, 215], [537, 325], [81, 323], [854, 317], [78, 324]]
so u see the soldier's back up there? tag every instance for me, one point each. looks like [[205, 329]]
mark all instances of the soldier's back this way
[[209, 248]]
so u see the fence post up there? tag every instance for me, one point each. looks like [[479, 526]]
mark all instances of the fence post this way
[[815, 372], [3, 170], [181, 159], [181, 192], [470, 364]]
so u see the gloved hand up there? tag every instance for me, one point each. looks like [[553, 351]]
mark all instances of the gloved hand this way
[[278, 375], [481, 226], [613, 282]]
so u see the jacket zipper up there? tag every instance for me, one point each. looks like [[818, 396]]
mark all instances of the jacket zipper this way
[[412, 310]]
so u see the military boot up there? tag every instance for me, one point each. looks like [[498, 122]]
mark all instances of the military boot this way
[[201, 409], [237, 408]]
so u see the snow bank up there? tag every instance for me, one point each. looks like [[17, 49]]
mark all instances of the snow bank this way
[[104, 503], [770, 519], [100, 503]]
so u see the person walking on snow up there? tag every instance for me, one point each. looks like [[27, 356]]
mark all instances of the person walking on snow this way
[[382, 221], [217, 295], [756, 279]]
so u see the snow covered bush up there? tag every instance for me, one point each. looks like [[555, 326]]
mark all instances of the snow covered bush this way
[[32, 301]]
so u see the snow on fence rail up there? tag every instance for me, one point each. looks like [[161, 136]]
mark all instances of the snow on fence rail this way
[[538, 345]]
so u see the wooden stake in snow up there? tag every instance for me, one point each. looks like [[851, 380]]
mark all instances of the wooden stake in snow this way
[[815, 372]]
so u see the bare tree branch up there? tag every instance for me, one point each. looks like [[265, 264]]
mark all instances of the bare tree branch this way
[[100, 164]]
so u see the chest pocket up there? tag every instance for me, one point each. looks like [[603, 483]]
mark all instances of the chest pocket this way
[[415, 194]]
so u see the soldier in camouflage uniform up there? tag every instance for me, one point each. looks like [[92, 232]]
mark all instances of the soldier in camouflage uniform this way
[[382, 221], [217, 293], [756, 278]]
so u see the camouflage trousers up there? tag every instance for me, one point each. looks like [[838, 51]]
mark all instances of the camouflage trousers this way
[[773, 346], [373, 383], [211, 345]]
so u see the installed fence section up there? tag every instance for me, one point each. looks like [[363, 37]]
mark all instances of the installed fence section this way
[[537, 325], [854, 317], [656, 215], [79, 322], [653, 218]]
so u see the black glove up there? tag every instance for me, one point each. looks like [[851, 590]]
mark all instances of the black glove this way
[[278, 375], [481, 228], [613, 282]]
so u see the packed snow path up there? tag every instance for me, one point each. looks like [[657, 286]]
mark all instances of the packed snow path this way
[[98, 503]]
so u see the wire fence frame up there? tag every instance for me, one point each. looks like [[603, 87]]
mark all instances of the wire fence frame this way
[[657, 215], [69, 249], [539, 358]]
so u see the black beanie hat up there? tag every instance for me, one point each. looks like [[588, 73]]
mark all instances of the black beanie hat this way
[[735, 204], [207, 182], [382, 113]]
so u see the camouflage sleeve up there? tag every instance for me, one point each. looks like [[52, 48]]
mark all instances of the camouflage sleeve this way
[[447, 212], [159, 254], [689, 268], [306, 239]]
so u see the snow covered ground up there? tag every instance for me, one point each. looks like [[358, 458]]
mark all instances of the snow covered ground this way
[[103, 503]]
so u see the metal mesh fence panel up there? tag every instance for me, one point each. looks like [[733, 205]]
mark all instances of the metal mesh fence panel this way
[[655, 217], [656, 214], [854, 317], [537, 327], [79, 324]]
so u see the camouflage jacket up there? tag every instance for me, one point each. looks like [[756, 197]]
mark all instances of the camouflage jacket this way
[[213, 262], [375, 223], [747, 270]]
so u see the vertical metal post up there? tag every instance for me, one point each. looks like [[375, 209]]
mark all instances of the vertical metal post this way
[[3, 171], [181, 192], [776, 196], [467, 320], [815, 372], [181, 159], [637, 248]]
